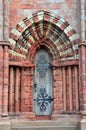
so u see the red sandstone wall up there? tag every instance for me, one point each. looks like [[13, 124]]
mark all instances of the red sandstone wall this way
[[65, 87], [65, 90], [69, 9]]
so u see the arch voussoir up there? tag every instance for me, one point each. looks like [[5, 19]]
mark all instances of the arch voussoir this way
[[43, 24]]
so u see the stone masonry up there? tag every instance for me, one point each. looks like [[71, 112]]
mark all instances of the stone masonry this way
[[59, 27]]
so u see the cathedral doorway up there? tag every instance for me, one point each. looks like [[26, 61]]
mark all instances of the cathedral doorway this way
[[43, 84]]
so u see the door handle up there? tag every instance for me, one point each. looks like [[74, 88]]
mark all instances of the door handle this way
[[35, 86]]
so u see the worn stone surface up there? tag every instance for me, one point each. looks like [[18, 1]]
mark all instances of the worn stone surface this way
[[29, 30], [5, 125], [43, 125]]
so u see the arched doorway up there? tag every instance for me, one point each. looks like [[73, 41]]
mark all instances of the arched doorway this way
[[45, 34], [43, 84]]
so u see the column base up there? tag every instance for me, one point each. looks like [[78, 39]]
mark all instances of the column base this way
[[83, 113], [4, 115], [83, 124]]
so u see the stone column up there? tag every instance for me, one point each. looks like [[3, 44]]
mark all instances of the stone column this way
[[4, 76], [1, 77], [1, 20], [17, 91], [22, 87], [82, 63], [5, 20], [4, 58], [83, 78], [5, 81], [82, 84], [64, 89], [83, 20], [11, 84]]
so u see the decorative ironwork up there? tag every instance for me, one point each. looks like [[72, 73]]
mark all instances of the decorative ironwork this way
[[43, 99], [42, 65]]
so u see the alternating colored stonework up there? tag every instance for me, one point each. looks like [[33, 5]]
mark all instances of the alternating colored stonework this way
[[32, 27], [44, 27]]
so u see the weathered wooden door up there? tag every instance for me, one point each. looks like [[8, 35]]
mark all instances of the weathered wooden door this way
[[42, 88]]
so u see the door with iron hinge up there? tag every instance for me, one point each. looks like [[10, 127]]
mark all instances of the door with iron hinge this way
[[43, 82]]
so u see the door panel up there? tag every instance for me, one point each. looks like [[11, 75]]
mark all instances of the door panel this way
[[42, 88]]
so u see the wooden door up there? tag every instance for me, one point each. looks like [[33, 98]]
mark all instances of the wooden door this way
[[42, 88]]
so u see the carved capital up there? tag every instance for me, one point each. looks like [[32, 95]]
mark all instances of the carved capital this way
[[4, 43], [83, 43]]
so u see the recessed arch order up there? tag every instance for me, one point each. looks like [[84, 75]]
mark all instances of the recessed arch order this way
[[44, 28]]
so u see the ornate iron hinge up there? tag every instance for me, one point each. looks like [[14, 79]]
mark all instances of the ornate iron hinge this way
[[43, 99], [42, 65]]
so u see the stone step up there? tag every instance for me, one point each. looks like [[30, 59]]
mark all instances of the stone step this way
[[38, 125], [59, 124], [46, 128], [44, 125]]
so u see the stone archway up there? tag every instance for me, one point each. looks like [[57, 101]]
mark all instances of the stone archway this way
[[44, 26], [44, 30]]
